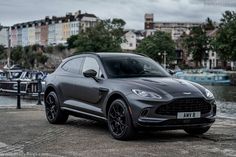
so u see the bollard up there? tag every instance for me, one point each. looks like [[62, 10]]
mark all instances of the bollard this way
[[39, 91], [18, 95]]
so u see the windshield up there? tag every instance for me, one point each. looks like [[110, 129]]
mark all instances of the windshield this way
[[132, 66]]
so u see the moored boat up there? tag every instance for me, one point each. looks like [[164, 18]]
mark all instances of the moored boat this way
[[205, 76], [28, 85]]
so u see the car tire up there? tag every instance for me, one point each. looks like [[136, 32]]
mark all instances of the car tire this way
[[196, 131], [53, 110], [119, 121]]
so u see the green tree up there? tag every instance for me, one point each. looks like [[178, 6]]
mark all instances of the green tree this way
[[17, 53], [71, 41], [209, 24], [197, 44], [49, 49], [3, 54], [225, 41], [105, 36], [60, 47], [41, 58], [28, 56], [155, 45]]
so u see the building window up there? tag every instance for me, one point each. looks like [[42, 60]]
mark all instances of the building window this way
[[212, 54], [130, 44]]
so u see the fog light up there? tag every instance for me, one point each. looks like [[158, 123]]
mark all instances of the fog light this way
[[144, 112], [214, 109]]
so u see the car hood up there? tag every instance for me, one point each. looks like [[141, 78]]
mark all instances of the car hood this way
[[166, 85]]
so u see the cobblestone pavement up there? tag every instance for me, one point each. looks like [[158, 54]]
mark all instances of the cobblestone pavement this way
[[27, 133]]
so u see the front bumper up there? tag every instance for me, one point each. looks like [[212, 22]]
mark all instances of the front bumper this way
[[175, 123], [144, 115]]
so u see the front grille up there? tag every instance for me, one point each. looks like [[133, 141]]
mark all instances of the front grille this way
[[185, 105]]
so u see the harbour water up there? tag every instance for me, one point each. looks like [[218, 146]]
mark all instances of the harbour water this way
[[226, 100], [11, 101], [225, 97]]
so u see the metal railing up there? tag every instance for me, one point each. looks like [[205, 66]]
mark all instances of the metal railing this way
[[19, 93]]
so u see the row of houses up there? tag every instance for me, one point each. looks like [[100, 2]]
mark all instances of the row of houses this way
[[56, 30], [176, 29], [48, 31]]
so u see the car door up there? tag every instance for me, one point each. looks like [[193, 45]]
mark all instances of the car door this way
[[70, 72], [87, 91], [88, 88]]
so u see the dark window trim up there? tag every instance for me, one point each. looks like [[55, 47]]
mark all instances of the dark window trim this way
[[99, 61], [80, 69], [99, 66]]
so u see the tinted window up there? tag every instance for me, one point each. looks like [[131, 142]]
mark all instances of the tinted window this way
[[132, 66], [16, 75], [73, 66], [91, 63]]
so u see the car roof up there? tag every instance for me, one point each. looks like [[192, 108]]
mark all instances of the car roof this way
[[103, 55], [114, 54], [109, 54]]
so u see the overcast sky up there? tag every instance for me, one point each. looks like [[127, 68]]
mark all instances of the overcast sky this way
[[132, 11]]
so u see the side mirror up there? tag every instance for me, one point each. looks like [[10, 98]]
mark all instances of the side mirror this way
[[90, 73]]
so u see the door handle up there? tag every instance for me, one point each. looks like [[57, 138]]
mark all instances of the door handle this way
[[103, 89]]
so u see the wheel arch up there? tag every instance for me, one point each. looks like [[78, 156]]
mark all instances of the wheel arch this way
[[113, 96], [49, 89]]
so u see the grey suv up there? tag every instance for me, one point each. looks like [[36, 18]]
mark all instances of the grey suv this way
[[129, 92]]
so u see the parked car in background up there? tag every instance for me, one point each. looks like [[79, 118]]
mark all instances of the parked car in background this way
[[129, 92]]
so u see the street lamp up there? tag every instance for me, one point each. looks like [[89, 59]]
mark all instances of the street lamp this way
[[164, 58]]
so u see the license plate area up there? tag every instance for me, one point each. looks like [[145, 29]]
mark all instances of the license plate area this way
[[188, 115]]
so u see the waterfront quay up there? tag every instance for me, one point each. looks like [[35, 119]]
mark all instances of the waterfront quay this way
[[26, 132]]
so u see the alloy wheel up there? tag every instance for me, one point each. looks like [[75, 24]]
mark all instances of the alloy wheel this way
[[117, 119], [51, 107]]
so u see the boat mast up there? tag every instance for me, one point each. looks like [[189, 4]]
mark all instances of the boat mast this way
[[9, 49]]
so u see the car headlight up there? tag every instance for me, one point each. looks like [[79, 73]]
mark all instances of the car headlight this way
[[209, 94], [146, 94]]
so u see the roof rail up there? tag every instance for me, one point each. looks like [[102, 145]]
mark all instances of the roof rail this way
[[93, 53], [142, 54]]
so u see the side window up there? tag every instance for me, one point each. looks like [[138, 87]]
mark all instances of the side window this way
[[73, 66], [91, 63]]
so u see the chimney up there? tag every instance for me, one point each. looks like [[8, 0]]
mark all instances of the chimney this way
[[78, 13], [47, 18], [68, 14], [54, 18]]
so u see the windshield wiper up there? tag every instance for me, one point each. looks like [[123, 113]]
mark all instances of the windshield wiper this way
[[145, 71]]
